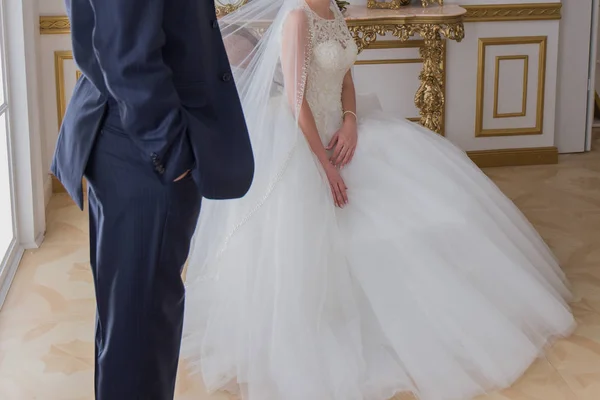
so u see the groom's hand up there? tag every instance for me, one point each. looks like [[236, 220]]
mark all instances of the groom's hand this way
[[128, 41], [180, 177]]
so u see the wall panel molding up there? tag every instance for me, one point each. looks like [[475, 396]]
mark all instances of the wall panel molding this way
[[497, 78], [513, 12], [59, 76], [55, 25], [60, 57], [484, 44]]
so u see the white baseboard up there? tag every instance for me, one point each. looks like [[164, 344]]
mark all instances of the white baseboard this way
[[39, 239], [9, 270]]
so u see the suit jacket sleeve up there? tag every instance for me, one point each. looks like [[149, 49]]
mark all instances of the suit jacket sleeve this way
[[128, 41]]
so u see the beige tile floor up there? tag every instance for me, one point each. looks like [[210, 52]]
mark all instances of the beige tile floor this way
[[46, 325]]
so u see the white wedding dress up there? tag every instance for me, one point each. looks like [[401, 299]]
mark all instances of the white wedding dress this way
[[430, 281]]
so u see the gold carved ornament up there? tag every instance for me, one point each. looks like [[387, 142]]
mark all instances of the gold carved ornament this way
[[57, 25], [223, 7], [429, 99], [513, 12], [426, 3]]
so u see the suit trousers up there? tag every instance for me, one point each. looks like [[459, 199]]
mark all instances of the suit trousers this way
[[140, 234]]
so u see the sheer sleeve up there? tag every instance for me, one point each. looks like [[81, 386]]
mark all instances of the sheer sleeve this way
[[269, 44], [295, 56]]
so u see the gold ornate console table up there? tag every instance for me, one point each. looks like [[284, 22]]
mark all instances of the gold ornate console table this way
[[433, 24]]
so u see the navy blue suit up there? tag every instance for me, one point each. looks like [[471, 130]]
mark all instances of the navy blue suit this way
[[156, 99]]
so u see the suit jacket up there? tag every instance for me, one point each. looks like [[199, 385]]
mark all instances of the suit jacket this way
[[157, 69]]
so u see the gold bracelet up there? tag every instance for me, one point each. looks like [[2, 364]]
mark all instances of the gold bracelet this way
[[349, 112]]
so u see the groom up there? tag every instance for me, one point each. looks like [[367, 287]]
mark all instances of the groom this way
[[154, 124]]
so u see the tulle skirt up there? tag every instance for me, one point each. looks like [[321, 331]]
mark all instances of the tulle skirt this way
[[430, 281]]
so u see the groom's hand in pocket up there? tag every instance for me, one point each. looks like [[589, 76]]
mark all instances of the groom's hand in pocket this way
[[180, 177]]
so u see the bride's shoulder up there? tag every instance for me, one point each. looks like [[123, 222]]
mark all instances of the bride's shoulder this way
[[298, 14], [297, 18]]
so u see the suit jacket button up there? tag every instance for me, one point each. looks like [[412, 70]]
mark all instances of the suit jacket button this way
[[226, 77], [160, 169], [215, 24]]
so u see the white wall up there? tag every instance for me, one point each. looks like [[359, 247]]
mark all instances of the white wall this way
[[572, 96], [52, 7]]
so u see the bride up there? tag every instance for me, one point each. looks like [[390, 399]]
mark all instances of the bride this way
[[371, 256]]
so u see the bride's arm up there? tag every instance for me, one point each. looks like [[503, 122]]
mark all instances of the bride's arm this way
[[349, 98], [294, 61], [306, 121], [295, 50], [344, 141]]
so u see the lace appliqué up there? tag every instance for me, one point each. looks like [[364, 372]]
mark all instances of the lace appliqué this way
[[333, 54], [325, 30]]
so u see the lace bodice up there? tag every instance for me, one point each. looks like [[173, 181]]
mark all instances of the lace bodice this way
[[333, 52]]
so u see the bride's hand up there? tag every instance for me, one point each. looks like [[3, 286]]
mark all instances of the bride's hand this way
[[338, 187], [343, 143]]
